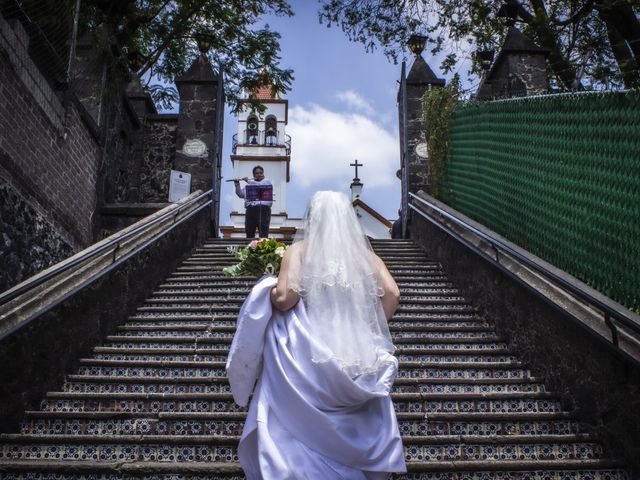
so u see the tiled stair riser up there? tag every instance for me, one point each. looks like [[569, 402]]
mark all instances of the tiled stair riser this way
[[89, 387], [144, 426], [223, 387], [145, 405], [480, 405], [506, 475], [122, 452], [228, 453], [140, 426], [227, 405], [222, 356], [516, 475]]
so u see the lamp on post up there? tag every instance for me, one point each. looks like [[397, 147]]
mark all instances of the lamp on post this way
[[485, 58], [509, 11], [135, 60], [416, 43], [204, 41]]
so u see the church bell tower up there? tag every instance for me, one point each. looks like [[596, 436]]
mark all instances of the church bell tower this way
[[262, 140]]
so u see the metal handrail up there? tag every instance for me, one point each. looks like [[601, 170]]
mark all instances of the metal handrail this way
[[9, 295], [626, 320]]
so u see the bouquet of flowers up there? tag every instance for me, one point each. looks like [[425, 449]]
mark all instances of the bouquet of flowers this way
[[260, 257]]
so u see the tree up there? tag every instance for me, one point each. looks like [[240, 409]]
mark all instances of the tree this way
[[160, 36], [596, 40]]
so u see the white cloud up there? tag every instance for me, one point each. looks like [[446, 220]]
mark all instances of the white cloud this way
[[324, 143], [356, 101]]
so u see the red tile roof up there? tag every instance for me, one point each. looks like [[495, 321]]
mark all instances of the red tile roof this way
[[265, 92]]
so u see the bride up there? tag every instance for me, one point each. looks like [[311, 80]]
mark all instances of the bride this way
[[317, 341]]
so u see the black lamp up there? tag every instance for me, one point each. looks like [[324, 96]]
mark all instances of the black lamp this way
[[136, 60], [416, 43], [485, 58], [204, 41]]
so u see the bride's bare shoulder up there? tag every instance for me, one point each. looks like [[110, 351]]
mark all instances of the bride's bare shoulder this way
[[295, 248]]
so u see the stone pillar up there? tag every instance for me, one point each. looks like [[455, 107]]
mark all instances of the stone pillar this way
[[520, 69], [419, 80], [142, 106], [196, 134], [140, 100], [90, 74]]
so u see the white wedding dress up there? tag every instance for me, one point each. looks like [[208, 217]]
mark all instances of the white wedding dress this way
[[308, 420]]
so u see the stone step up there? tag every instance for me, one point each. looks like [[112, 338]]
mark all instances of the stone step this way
[[188, 448], [235, 291], [218, 276], [441, 354], [594, 469], [204, 267], [497, 402], [395, 325], [248, 282], [190, 343], [225, 282], [237, 298], [208, 384], [405, 365], [451, 308], [103, 423], [221, 355], [217, 326], [435, 277], [223, 290], [419, 269], [211, 275], [219, 307], [415, 250], [400, 338], [398, 317], [404, 285], [230, 423]]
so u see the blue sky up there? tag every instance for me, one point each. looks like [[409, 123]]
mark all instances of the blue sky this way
[[342, 106]]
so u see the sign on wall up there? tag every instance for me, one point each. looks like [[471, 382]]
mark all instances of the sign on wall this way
[[195, 148], [179, 185]]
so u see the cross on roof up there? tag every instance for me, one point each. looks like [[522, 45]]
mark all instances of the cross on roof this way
[[356, 165]]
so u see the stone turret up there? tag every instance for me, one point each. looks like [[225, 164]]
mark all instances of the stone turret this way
[[519, 70], [197, 123], [419, 80]]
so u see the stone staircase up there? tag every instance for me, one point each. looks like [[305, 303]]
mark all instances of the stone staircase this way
[[153, 401]]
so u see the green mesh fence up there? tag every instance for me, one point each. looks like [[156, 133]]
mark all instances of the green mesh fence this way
[[559, 176]]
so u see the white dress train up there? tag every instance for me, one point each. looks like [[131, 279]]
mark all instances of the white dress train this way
[[307, 420]]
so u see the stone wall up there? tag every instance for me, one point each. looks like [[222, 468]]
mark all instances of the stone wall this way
[[47, 150], [602, 388], [26, 234], [49, 157], [159, 148]]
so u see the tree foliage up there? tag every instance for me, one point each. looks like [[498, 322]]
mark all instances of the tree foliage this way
[[592, 43], [437, 106], [161, 33]]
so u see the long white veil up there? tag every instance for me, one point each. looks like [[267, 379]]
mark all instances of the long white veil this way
[[337, 277]]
